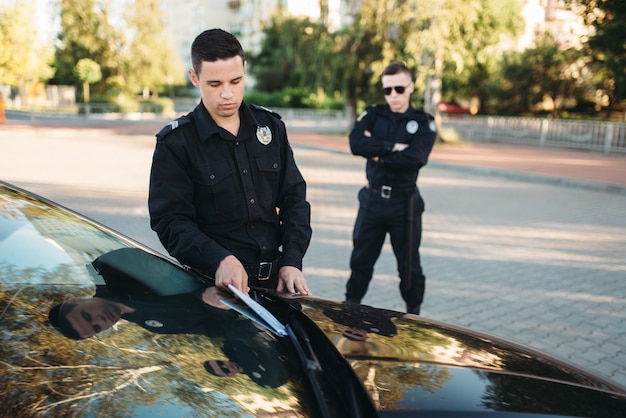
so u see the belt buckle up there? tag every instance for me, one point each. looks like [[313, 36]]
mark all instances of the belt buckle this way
[[385, 192], [265, 270]]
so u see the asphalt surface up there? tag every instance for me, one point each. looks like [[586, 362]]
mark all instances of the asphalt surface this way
[[520, 242]]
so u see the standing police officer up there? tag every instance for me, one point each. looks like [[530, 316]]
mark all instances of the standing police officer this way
[[226, 196], [396, 140]]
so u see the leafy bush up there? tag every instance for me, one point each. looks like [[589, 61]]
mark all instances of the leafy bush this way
[[267, 99], [160, 105], [291, 97]]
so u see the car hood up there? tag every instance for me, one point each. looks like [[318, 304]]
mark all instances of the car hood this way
[[408, 362], [153, 362]]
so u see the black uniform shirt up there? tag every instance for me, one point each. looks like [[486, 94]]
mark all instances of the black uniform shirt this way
[[397, 169], [213, 194]]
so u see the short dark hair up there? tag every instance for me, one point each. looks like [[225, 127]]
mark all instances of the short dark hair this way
[[396, 68], [58, 319], [212, 45]]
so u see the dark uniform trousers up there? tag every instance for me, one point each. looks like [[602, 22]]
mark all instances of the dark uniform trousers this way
[[377, 216]]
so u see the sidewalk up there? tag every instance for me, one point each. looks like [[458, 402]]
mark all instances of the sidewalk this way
[[572, 167], [589, 169]]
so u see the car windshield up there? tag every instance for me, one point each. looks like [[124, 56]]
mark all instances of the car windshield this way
[[101, 326]]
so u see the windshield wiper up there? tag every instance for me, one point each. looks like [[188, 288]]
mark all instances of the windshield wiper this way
[[254, 311], [310, 365], [336, 390]]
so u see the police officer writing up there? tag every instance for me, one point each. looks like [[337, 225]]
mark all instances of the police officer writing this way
[[396, 140], [226, 197]]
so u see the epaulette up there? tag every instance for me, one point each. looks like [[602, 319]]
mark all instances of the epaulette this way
[[183, 120], [270, 111], [374, 109]]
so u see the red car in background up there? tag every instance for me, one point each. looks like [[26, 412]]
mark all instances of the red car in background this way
[[452, 108]]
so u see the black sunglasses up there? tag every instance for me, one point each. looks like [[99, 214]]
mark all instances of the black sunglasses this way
[[222, 366], [398, 89]]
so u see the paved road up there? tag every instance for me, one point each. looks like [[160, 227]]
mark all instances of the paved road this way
[[530, 256]]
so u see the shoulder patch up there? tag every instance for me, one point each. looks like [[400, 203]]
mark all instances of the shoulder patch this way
[[265, 109], [432, 126], [183, 120]]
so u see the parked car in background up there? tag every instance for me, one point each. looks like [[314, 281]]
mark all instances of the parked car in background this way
[[452, 108], [96, 324]]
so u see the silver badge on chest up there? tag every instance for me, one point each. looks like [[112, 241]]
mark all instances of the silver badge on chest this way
[[412, 126], [153, 323], [264, 134]]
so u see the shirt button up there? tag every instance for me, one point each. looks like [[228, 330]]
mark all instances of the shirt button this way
[[275, 165], [252, 201], [244, 171], [212, 176]]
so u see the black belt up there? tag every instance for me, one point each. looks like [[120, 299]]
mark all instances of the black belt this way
[[387, 192], [263, 270]]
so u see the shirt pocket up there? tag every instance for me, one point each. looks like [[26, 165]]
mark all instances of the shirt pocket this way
[[380, 129], [268, 179], [213, 174], [217, 192]]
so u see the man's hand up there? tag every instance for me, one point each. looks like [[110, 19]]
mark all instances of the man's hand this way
[[291, 280], [399, 147], [231, 271]]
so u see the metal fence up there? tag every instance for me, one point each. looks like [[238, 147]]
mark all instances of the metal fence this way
[[606, 137], [598, 136]]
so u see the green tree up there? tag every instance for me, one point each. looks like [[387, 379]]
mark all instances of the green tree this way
[[88, 72], [449, 43], [86, 32], [152, 61], [546, 74], [444, 41], [607, 46], [456, 52], [375, 37], [292, 54], [23, 63]]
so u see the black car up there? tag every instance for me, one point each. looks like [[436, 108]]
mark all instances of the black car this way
[[95, 324]]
